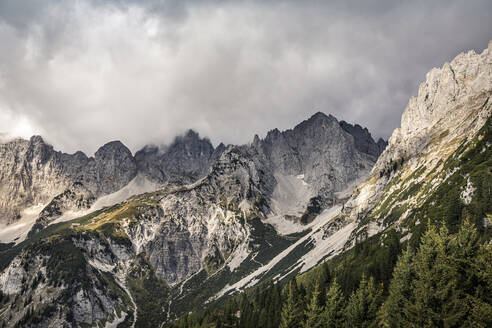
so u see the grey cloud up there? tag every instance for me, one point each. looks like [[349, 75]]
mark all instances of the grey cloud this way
[[82, 73]]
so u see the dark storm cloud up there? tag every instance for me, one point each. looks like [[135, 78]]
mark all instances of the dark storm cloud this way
[[85, 72]]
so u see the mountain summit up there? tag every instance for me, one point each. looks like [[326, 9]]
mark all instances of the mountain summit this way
[[176, 228], [204, 216]]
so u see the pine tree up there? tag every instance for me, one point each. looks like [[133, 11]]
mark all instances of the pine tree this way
[[436, 300], [246, 310], [291, 316], [324, 281], [333, 316], [393, 311], [314, 310], [481, 300], [475, 275], [363, 305]]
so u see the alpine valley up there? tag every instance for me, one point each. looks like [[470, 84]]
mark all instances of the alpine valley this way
[[316, 226]]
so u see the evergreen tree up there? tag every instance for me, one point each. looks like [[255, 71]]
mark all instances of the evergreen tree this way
[[276, 307], [314, 310], [437, 300], [246, 310], [324, 281], [393, 311], [333, 316], [481, 299], [363, 305], [291, 316], [474, 268]]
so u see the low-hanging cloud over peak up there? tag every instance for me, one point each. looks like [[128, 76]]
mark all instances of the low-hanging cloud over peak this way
[[84, 72]]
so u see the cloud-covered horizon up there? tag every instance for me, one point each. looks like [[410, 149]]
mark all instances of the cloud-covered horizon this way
[[83, 73]]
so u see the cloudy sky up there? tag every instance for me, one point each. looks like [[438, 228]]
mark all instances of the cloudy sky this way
[[82, 73]]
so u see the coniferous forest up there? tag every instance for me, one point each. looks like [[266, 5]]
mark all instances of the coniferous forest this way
[[443, 281]]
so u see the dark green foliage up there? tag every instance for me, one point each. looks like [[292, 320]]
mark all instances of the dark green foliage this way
[[375, 256], [149, 292], [472, 162], [292, 312], [445, 282], [394, 310], [314, 310], [363, 304], [334, 312]]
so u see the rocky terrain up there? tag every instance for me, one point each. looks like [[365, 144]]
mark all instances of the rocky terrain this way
[[438, 127], [224, 219], [33, 172], [184, 161], [35, 176], [199, 222], [435, 167]]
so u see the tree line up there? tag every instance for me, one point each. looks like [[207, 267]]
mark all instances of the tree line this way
[[444, 281]]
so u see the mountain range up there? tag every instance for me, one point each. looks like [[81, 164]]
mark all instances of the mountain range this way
[[141, 240]]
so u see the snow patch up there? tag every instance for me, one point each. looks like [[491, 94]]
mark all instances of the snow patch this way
[[255, 276], [289, 198], [239, 255], [17, 231], [69, 215], [323, 247], [291, 195], [139, 185]]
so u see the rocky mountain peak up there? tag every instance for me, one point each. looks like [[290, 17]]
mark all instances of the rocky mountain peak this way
[[320, 116], [445, 88], [454, 101], [362, 138], [185, 160], [438, 126], [382, 144], [191, 144], [319, 119], [113, 149], [115, 167], [311, 128], [36, 139], [38, 150], [192, 134]]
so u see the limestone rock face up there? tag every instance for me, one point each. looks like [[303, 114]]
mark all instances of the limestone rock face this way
[[363, 139], [452, 105], [75, 198], [454, 99], [34, 278], [328, 154], [32, 172], [114, 167], [200, 225]]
